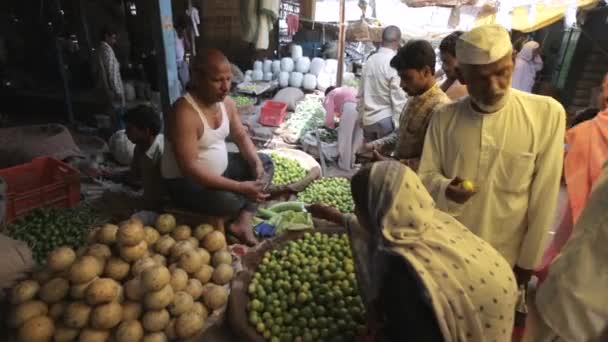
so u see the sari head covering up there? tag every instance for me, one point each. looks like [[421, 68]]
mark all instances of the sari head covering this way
[[471, 286]]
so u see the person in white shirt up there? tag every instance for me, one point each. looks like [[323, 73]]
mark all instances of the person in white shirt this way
[[381, 98], [109, 79], [571, 304], [447, 52], [508, 143], [527, 64]]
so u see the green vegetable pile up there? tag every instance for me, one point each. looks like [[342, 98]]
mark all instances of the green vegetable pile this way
[[331, 191], [286, 171], [307, 291], [308, 116], [328, 135], [242, 100], [46, 229]]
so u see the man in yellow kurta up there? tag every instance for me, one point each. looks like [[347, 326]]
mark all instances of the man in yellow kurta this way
[[508, 143]]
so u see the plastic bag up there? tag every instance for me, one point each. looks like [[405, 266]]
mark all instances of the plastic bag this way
[[287, 64], [121, 147], [303, 65]]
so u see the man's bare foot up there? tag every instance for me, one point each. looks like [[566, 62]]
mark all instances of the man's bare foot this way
[[242, 229]]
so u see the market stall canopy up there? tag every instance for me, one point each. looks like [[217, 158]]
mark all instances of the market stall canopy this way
[[444, 16]]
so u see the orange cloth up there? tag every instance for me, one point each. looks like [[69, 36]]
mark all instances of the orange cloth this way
[[587, 152]]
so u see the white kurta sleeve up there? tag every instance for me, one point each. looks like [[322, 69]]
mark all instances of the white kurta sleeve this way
[[544, 190], [430, 169], [398, 97]]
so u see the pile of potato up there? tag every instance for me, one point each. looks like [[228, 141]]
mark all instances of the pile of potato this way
[[130, 283]]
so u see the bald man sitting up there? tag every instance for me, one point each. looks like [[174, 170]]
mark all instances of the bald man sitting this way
[[200, 173]]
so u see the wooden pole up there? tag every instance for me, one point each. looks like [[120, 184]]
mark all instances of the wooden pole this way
[[341, 43]]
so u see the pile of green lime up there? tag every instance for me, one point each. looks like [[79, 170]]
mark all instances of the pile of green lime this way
[[332, 191], [307, 291], [286, 171]]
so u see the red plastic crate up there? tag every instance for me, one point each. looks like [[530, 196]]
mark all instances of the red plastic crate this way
[[273, 113], [44, 182]]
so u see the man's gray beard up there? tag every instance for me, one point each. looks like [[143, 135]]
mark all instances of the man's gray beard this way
[[492, 108]]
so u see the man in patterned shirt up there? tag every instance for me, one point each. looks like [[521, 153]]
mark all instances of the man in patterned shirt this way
[[108, 74], [415, 63]]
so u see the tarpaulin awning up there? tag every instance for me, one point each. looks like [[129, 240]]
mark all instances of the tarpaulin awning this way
[[531, 17]]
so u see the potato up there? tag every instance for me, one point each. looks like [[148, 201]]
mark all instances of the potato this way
[[191, 261], [129, 331], [78, 291], [193, 241], [61, 259], [204, 274], [155, 320], [85, 269], [181, 232], [57, 310], [179, 279], [99, 250], [92, 235], [76, 315], [202, 230], [214, 241], [221, 257], [133, 253], [170, 330], [182, 302], [39, 328], [106, 316], [43, 275], [200, 309], [55, 290], [107, 234], [159, 259], [151, 235], [194, 288], [159, 299], [116, 268], [130, 234], [188, 325], [136, 220], [165, 223], [223, 274], [155, 278], [26, 311], [94, 335], [102, 290], [24, 291], [65, 334], [156, 337], [140, 265], [131, 311], [180, 248], [164, 244], [205, 256], [216, 297], [133, 289]]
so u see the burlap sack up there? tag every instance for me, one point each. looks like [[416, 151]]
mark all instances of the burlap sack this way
[[239, 298], [15, 262], [358, 31], [19, 145]]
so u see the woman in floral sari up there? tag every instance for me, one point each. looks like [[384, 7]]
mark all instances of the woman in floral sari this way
[[423, 276]]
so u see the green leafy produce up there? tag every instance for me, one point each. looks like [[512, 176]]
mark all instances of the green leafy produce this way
[[46, 229], [242, 100], [328, 135], [307, 291], [286, 171], [308, 116], [331, 191]]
